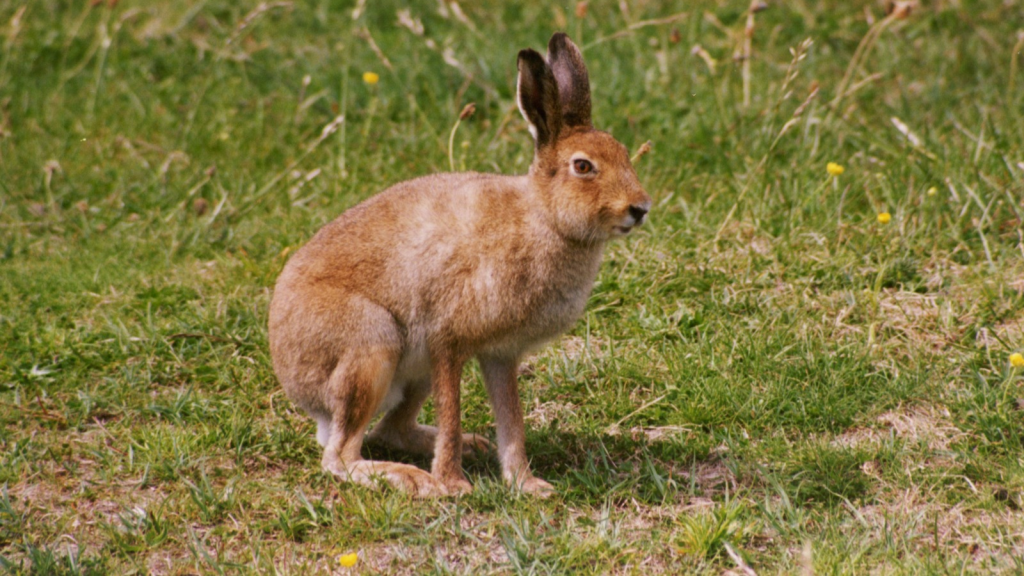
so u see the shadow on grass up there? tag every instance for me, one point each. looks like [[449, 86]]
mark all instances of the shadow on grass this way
[[588, 469]]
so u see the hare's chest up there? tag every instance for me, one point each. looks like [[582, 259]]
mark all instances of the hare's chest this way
[[551, 313], [560, 302], [565, 306]]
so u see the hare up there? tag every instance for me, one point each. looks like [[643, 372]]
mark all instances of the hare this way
[[386, 304]]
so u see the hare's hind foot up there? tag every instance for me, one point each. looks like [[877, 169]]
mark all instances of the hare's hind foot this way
[[536, 487], [420, 439], [409, 479]]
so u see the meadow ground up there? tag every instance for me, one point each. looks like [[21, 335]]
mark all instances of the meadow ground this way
[[770, 377]]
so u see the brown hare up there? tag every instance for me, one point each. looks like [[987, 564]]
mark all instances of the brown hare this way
[[387, 303]]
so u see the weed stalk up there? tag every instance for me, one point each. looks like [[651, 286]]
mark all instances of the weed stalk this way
[[467, 111]]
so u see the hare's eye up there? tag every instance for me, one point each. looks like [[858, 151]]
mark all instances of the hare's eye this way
[[581, 166]]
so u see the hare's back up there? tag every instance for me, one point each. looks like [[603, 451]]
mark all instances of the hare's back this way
[[412, 234], [406, 211]]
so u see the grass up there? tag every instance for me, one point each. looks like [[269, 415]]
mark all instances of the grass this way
[[766, 375]]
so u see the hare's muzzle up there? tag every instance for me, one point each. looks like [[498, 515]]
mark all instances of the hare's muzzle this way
[[634, 217]]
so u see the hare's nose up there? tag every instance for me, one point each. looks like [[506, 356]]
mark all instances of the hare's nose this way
[[637, 212]]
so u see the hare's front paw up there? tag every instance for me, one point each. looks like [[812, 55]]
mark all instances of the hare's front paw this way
[[536, 487]]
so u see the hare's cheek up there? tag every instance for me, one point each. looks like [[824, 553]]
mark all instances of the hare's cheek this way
[[597, 203], [606, 215], [576, 201]]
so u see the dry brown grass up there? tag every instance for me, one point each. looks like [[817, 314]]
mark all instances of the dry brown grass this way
[[923, 424]]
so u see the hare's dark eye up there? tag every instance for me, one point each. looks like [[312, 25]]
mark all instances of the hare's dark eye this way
[[582, 166]]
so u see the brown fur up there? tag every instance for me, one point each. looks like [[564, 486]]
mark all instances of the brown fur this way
[[387, 302]]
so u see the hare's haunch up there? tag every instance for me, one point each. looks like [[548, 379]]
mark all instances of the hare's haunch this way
[[386, 303]]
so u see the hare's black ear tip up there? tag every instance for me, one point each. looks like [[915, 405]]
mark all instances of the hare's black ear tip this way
[[558, 40], [530, 57]]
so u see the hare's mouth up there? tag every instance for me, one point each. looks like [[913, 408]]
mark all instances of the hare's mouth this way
[[623, 229]]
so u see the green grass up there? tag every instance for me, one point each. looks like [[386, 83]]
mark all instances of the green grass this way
[[764, 368]]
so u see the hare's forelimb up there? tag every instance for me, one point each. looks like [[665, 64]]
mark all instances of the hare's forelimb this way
[[445, 379], [503, 389]]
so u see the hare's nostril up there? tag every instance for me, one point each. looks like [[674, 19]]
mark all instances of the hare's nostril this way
[[637, 212]]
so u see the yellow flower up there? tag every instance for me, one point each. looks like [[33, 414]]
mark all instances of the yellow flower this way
[[371, 78], [348, 560], [884, 217], [933, 191], [1017, 360], [835, 169]]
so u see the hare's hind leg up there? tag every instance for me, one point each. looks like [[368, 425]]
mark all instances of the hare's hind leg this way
[[399, 430], [358, 386]]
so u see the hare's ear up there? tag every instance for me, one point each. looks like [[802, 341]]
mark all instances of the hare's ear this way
[[573, 81], [537, 96]]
